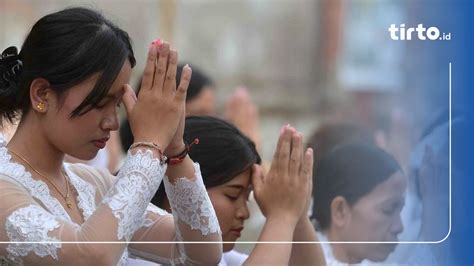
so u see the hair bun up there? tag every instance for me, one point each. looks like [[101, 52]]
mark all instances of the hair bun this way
[[10, 67]]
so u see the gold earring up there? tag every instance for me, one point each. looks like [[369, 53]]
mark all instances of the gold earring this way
[[40, 106]]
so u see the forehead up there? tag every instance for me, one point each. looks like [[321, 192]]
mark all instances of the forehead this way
[[84, 88], [242, 179], [122, 78]]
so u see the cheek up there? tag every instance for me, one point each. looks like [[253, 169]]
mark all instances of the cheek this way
[[369, 224], [224, 211], [78, 127]]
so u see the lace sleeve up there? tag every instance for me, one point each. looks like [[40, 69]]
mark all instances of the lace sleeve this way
[[121, 213], [137, 182], [193, 219], [191, 204]]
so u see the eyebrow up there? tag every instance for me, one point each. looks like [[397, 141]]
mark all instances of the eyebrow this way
[[398, 201], [236, 186]]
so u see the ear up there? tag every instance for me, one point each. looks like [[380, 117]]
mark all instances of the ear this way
[[40, 95], [340, 212]]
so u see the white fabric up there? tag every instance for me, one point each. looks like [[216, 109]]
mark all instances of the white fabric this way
[[233, 258], [327, 251], [190, 203], [420, 255], [113, 208]]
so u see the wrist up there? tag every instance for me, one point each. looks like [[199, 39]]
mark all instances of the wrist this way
[[175, 149], [161, 142], [303, 221], [283, 217]]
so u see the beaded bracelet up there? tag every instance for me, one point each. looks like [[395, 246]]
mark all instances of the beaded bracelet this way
[[163, 158]]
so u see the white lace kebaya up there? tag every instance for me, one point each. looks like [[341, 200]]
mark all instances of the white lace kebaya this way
[[113, 209]]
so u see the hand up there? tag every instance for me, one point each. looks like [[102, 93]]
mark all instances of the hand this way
[[177, 144], [155, 115], [243, 113], [284, 192]]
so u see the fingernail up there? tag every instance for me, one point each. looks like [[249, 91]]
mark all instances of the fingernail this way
[[156, 42], [282, 129]]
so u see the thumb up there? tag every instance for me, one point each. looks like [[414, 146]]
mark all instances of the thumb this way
[[257, 178], [184, 83], [129, 98]]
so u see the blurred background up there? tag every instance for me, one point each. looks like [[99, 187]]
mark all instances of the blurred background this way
[[302, 62]]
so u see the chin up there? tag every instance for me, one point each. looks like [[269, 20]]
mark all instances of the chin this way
[[226, 247], [85, 155], [380, 255]]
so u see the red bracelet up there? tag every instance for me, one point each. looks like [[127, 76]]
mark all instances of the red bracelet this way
[[181, 156]]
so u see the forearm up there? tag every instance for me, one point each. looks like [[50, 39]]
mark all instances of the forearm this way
[[194, 215], [278, 230], [306, 254]]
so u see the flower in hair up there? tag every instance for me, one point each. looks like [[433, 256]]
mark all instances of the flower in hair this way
[[10, 66]]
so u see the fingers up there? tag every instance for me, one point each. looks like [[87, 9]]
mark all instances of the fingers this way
[[284, 153], [184, 83], [277, 149], [161, 67], [307, 167], [129, 98], [307, 174], [295, 155], [169, 86], [149, 73]]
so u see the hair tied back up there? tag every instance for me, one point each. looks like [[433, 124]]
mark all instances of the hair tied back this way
[[10, 67]]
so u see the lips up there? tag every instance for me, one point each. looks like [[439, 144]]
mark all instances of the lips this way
[[237, 231], [100, 143]]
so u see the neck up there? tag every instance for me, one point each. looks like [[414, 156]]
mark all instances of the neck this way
[[340, 251], [30, 142]]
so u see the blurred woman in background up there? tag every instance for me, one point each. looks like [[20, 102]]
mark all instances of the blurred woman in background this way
[[359, 192]]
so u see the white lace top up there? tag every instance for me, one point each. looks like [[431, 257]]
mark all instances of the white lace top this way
[[113, 208]]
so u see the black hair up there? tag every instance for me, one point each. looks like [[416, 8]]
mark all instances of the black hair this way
[[198, 81], [351, 171], [330, 135], [223, 151], [66, 48]]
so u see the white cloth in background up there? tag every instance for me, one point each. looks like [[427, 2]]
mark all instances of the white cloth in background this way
[[233, 258]]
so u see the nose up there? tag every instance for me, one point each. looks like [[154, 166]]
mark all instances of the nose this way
[[397, 225], [110, 122], [243, 212]]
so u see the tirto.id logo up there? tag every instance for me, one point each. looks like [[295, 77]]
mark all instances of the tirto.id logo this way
[[405, 34]]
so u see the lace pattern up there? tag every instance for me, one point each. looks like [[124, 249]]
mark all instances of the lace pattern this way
[[191, 204], [3, 141], [152, 208], [31, 223], [37, 188], [137, 182]]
